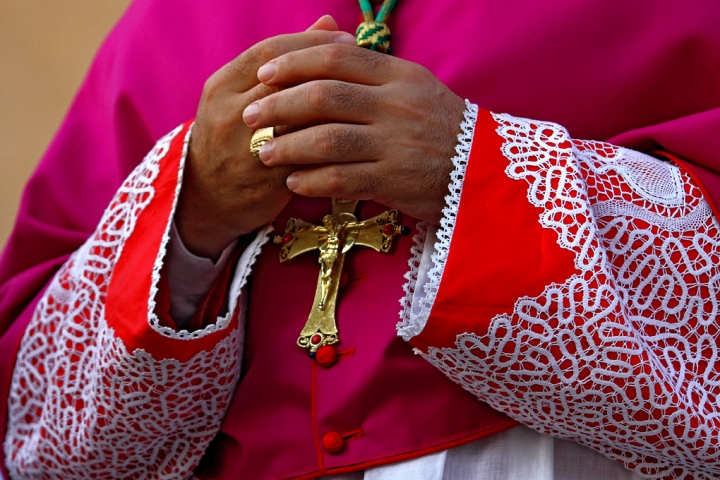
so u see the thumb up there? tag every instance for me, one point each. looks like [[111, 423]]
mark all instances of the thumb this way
[[326, 22]]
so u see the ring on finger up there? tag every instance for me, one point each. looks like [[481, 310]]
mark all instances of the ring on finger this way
[[259, 138]]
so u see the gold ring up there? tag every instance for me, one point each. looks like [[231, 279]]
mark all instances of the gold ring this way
[[259, 138]]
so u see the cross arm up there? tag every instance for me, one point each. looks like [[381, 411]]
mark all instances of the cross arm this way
[[378, 232], [300, 237]]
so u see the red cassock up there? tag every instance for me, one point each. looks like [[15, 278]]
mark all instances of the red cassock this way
[[572, 286]]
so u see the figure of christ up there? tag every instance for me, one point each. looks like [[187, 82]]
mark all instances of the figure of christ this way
[[558, 299], [329, 253], [339, 233]]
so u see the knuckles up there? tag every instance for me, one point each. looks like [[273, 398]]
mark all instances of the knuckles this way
[[246, 64], [325, 142], [420, 73], [335, 181], [258, 54], [211, 87], [318, 96], [334, 56]]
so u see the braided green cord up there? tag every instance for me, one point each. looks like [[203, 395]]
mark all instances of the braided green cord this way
[[385, 10], [367, 10], [374, 34]]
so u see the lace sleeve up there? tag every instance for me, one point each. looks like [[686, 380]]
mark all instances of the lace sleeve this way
[[614, 343], [101, 389]]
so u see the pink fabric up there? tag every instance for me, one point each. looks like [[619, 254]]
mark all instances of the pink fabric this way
[[402, 404], [644, 74]]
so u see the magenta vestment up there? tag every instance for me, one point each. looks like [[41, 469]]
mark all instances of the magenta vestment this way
[[641, 74]]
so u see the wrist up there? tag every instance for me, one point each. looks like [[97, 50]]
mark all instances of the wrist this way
[[201, 232], [201, 240]]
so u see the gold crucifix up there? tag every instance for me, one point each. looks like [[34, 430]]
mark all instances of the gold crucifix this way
[[339, 232]]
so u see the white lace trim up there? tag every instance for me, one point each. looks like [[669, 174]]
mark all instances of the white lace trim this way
[[162, 253], [623, 356], [241, 274], [416, 307], [81, 405]]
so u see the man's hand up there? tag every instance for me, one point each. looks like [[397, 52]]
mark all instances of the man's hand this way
[[226, 191], [384, 129]]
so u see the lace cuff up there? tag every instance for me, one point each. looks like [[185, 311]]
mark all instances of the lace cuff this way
[[100, 386], [580, 296], [430, 252]]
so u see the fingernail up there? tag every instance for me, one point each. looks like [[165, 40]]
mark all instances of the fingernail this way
[[293, 181], [265, 152], [344, 37], [250, 114], [267, 71]]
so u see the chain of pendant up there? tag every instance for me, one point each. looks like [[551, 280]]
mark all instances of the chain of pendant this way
[[373, 32]]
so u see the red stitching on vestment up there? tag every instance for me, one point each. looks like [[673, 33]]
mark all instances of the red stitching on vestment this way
[[357, 279], [353, 435], [346, 353]]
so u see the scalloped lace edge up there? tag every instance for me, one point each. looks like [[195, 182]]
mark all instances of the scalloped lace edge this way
[[415, 308], [242, 271]]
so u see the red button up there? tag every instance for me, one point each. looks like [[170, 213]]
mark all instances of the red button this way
[[326, 356], [333, 442]]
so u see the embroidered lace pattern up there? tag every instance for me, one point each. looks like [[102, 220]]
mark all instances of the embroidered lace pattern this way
[[416, 305], [623, 356], [83, 406]]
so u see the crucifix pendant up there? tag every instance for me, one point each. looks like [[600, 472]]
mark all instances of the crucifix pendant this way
[[339, 232]]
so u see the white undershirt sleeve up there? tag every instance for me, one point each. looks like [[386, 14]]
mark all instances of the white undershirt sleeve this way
[[189, 277]]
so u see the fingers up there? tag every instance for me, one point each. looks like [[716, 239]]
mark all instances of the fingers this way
[[328, 143], [338, 61], [241, 72], [326, 22], [314, 102], [358, 181], [255, 94], [217, 121]]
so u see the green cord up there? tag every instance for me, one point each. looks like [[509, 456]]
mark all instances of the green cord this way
[[385, 10], [367, 10], [373, 32]]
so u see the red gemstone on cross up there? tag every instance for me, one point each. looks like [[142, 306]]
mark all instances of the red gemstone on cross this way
[[389, 229], [287, 238], [315, 339]]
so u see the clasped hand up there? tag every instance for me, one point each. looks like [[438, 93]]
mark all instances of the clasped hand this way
[[351, 123]]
